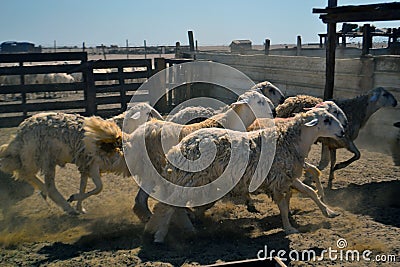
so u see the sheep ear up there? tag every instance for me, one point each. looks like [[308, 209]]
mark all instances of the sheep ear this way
[[374, 97], [239, 103], [397, 124], [156, 115], [135, 116], [311, 123]]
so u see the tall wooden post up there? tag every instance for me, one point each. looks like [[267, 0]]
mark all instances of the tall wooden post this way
[[367, 39], [267, 46], [127, 49], [330, 56], [298, 48], [191, 41], [23, 93], [145, 49]]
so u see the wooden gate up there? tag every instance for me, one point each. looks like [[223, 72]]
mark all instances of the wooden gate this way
[[102, 87]]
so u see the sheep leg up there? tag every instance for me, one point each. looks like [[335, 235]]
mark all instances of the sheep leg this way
[[159, 222], [54, 194], [352, 148], [198, 212], [141, 208], [284, 210], [305, 189], [324, 161], [250, 204], [82, 189], [332, 169], [181, 218], [288, 195], [95, 175], [37, 184], [315, 174]]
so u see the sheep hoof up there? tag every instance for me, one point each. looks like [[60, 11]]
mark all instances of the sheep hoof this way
[[252, 209], [73, 212], [331, 214], [291, 230], [71, 198]]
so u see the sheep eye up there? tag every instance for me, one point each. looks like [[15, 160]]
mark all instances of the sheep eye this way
[[327, 120]]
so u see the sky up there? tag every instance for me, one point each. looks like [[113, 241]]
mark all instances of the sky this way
[[213, 22]]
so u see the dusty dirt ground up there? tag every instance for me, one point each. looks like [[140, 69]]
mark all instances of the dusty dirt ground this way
[[34, 232]]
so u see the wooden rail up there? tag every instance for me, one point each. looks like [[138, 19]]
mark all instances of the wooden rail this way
[[97, 92]]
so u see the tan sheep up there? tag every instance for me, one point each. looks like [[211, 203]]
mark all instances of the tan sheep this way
[[145, 149], [46, 140], [293, 137]]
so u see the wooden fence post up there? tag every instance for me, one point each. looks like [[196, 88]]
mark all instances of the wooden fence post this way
[[23, 93], [161, 105], [90, 90], [191, 41], [267, 46], [122, 90], [178, 50], [367, 39], [298, 51], [330, 56]]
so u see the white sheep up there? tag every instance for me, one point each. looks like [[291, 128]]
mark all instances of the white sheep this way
[[46, 140], [270, 91], [293, 137], [358, 110], [135, 116], [48, 78], [146, 147], [191, 114], [241, 114]]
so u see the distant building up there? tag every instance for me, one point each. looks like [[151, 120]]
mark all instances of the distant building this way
[[240, 46], [18, 47]]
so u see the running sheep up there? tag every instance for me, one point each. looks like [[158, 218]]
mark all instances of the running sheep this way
[[46, 140], [145, 148], [293, 137], [191, 114], [358, 110], [270, 91]]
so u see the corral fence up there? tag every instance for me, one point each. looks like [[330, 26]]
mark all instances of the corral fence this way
[[180, 93], [101, 87]]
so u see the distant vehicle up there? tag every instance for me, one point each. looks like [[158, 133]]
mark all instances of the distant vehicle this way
[[19, 47]]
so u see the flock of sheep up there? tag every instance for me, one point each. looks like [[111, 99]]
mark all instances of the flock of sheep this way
[[260, 116]]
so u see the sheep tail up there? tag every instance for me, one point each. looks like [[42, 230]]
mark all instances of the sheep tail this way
[[102, 135], [9, 161]]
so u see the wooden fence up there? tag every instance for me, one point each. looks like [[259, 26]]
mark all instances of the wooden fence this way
[[97, 92]]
